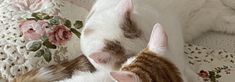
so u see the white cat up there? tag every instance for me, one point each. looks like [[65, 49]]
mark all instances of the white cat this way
[[118, 29]]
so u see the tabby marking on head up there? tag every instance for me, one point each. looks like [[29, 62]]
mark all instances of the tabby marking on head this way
[[129, 27], [117, 52]]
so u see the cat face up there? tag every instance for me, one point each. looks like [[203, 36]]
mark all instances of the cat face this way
[[105, 32]]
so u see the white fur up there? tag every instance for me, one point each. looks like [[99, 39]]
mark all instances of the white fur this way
[[214, 15], [129, 61], [45, 74], [108, 30], [99, 76], [106, 22], [194, 16]]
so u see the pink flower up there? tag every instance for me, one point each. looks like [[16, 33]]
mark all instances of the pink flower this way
[[203, 74], [60, 35], [33, 30]]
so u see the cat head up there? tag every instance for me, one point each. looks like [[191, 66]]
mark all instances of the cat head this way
[[105, 31], [158, 44]]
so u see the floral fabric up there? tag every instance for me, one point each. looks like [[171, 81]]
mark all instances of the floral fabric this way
[[35, 33], [211, 64]]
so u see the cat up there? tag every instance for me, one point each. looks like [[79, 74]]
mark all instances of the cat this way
[[56, 72], [151, 64], [116, 30], [126, 24]]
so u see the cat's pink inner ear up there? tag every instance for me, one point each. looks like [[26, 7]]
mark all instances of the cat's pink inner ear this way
[[124, 6], [122, 76], [100, 57], [158, 42]]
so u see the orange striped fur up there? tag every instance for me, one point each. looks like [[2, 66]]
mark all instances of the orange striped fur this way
[[150, 67]]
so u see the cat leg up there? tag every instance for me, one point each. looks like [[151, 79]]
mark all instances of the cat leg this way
[[225, 24], [189, 35], [199, 22], [193, 32], [197, 25]]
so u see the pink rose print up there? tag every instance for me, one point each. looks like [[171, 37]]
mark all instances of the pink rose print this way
[[33, 30], [29, 5], [60, 35], [203, 74]]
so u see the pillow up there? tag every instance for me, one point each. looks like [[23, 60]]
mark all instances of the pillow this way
[[35, 33]]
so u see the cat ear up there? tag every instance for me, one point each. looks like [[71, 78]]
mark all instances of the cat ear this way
[[158, 41], [124, 76], [124, 6], [100, 57]]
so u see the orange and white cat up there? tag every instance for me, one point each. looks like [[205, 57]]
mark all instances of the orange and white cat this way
[[152, 64]]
